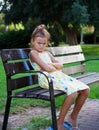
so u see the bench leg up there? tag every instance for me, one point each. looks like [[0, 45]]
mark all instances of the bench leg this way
[[6, 115], [53, 109], [53, 112]]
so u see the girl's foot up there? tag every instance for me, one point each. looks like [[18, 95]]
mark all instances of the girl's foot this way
[[69, 126], [72, 121], [75, 128], [60, 125]]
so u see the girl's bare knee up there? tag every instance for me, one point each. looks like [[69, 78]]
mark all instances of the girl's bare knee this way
[[85, 92]]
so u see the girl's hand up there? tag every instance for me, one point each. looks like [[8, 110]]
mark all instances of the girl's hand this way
[[51, 67], [55, 62], [57, 65]]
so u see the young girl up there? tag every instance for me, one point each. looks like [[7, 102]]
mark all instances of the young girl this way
[[43, 60]]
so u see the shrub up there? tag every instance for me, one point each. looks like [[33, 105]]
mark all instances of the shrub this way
[[15, 39]]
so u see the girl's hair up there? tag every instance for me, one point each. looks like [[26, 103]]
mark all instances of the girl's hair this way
[[40, 31]]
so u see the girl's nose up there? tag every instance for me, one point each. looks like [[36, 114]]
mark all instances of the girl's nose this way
[[41, 45]]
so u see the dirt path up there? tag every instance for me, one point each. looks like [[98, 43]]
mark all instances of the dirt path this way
[[88, 117], [17, 120]]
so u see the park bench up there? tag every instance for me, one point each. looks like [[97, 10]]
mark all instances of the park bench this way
[[21, 76]]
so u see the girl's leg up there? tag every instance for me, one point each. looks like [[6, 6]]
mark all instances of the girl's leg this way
[[65, 107], [82, 96]]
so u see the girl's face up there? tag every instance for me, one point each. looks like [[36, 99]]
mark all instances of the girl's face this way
[[39, 43]]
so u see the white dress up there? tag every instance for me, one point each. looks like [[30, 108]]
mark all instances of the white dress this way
[[60, 80]]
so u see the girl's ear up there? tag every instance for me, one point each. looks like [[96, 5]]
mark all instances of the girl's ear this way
[[32, 42]]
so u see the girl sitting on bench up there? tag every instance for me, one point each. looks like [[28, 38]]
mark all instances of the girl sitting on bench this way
[[42, 60]]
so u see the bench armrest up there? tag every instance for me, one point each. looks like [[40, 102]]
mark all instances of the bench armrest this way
[[42, 72], [50, 82], [90, 59]]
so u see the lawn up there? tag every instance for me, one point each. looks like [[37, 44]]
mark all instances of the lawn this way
[[20, 105]]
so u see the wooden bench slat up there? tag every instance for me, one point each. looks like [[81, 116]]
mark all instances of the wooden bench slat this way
[[17, 67], [25, 93], [47, 96], [71, 58], [34, 92], [18, 82], [14, 54], [85, 75], [90, 79], [74, 69], [65, 50], [37, 92]]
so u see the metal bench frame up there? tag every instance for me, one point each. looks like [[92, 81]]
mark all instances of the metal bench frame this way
[[16, 61]]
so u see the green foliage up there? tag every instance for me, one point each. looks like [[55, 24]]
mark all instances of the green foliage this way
[[78, 10], [2, 25], [75, 12], [15, 39], [57, 34], [1, 18], [65, 12], [48, 11], [93, 9], [16, 27], [81, 13]]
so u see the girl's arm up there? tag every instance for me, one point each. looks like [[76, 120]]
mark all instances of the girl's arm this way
[[56, 63], [34, 57]]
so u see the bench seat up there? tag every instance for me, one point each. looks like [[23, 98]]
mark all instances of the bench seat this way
[[20, 75]]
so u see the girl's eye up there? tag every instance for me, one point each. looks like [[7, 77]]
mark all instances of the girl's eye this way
[[41, 43], [44, 43]]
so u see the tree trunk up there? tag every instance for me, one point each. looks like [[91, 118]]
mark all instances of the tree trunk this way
[[71, 36]]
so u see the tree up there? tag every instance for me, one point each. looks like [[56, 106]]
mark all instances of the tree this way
[[70, 14], [93, 9], [2, 25]]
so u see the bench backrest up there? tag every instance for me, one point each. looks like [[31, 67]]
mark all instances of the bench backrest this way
[[71, 56], [16, 61]]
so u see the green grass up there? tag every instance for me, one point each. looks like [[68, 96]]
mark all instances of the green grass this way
[[91, 49], [94, 91], [37, 123], [2, 87]]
